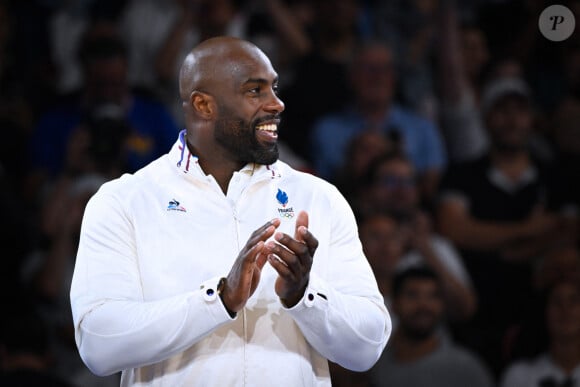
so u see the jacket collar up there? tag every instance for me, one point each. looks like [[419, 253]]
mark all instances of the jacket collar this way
[[187, 163]]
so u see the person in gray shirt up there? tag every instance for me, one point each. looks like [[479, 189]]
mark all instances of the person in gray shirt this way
[[418, 355]]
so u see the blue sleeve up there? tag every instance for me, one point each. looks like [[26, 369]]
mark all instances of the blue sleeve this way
[[434, 155]]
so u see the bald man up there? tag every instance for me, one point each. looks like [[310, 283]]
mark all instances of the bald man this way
[[217, 264]]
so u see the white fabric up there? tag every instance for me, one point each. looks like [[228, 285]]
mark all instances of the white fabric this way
[[140, 296], [530, 373]]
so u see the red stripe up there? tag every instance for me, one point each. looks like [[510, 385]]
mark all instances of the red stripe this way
[[188, 159]]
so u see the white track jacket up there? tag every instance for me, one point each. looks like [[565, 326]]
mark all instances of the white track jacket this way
[[153, 246]]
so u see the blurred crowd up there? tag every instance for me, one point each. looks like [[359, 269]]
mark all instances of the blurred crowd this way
[[452, 128]]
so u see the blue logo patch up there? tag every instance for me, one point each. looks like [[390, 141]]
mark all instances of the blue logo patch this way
[[282, 198]]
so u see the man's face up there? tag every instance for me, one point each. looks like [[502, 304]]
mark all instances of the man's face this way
[[373, 77], [382, 245], [247, 125], [419, 307], [394, 188], [107, 81], [510, 123]]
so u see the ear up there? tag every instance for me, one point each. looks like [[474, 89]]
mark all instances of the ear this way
[[203, 104]]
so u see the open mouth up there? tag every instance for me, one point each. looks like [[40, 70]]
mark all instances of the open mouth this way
[[267, 132]]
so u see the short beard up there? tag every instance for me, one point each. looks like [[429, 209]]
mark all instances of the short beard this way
[[238, 137]]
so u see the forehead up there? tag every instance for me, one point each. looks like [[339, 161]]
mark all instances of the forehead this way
[[247, 64]]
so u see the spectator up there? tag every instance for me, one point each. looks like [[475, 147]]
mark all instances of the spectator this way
[[559, 362], [383, 246], [410, 27], [461, 62], [105, 90], [361, 151], [320, 84], [502, 212], [392, 189], [418, 356], [373, 82]]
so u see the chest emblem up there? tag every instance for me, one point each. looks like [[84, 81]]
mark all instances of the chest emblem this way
[[175, 206], [283, 211]]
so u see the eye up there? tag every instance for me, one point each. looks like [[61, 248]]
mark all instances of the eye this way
[[275, 89], [255, 91]]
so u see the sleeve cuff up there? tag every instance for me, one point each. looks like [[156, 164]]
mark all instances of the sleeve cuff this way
[[210, 295]]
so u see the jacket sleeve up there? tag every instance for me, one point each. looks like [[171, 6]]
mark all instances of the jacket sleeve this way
[[115, 328], [342, 313]]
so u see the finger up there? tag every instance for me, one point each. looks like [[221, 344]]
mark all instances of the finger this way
[[281, 268], [301, 221], [288, 258], [296, 254], [263, 233], [309, 239], [261, 259], [252, 256]]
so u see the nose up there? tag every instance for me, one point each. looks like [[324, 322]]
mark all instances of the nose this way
[[274, 105]]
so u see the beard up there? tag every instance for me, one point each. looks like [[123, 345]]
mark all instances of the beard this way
[[238, 137]]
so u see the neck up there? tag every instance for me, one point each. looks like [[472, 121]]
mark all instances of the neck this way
[[214, 163], [407, 349], [512, 163], [566, 353]]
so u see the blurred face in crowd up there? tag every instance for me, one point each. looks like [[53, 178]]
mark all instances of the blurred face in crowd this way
[[106, 80], [419, 306], [373, 76], [382, 243], [562, 264], [509, 122], [563, 312], [394, 188]]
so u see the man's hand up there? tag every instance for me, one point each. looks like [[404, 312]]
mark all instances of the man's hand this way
[[292, 259], [244, 276]]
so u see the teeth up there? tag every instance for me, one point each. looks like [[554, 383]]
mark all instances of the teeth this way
[[269, 128]]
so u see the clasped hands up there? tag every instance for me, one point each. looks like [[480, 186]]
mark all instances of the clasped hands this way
[[290, 256]]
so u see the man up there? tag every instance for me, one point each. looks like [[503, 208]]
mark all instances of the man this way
[[372, 78], [158, 291], [392, 188], [502, 210], [418, 356], [105, 94]]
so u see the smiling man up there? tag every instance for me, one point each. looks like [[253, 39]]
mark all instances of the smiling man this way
[[217, 264]]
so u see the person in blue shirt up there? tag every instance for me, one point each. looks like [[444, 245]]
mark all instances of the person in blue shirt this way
[[372, 77], [105, 94]]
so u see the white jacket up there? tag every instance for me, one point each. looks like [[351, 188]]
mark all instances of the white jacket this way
[[153, 247]]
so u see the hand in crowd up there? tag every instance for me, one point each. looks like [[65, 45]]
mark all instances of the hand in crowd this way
[[418, 232]]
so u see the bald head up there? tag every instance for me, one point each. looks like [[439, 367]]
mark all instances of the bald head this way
[[214, 61]]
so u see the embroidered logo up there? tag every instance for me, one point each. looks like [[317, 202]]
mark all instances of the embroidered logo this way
[[282, 198], [174, 206]]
